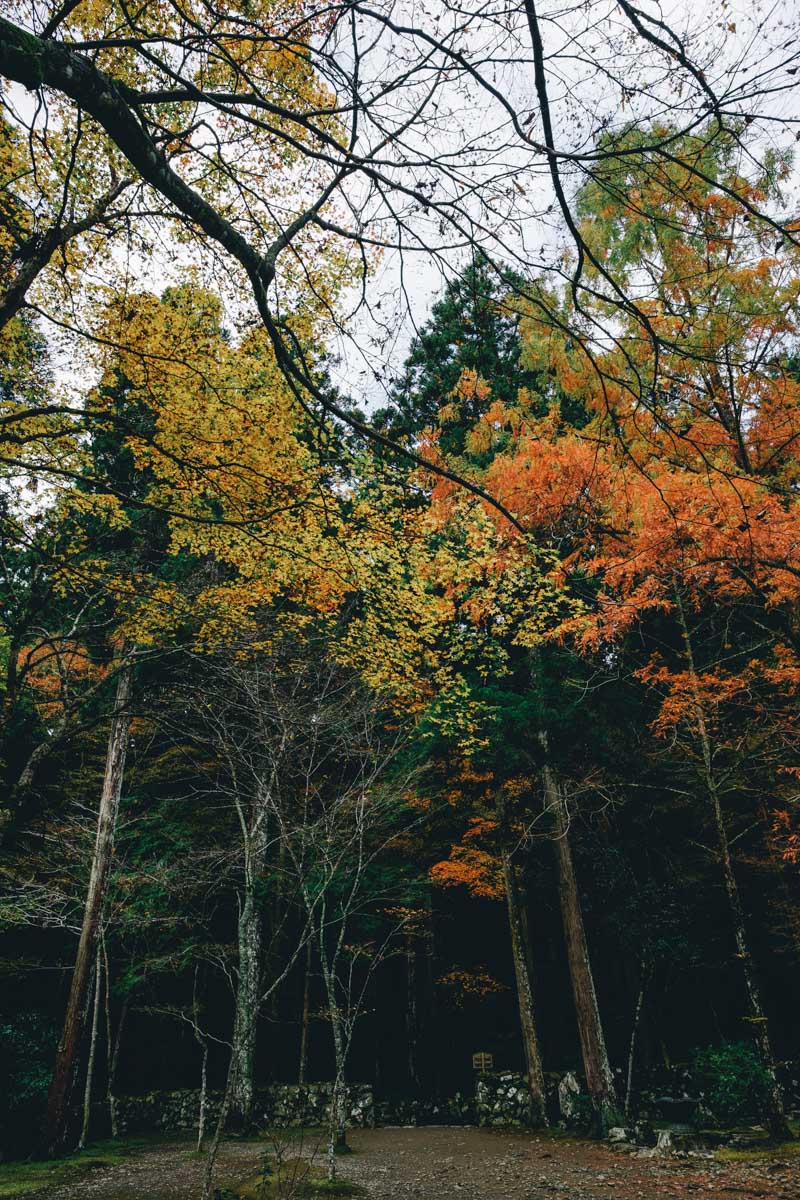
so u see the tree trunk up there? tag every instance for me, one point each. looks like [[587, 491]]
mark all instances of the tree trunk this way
[[204, 1092], [202, 1042], [87, 1093], [599, 1079], [521, 953], [246, 1015], [248, 998], [775, 1112], [63, 1075], [112, 1044], [632, 1048], [279, 910], [114, 1055], [337, 1122], [213, 1150], [302, 1068], [412, 1011]]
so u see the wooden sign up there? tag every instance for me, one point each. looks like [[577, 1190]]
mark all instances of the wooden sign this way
[[482, 1061]]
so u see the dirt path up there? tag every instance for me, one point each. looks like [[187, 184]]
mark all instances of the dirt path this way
[[457, 1164], [477, 1164]]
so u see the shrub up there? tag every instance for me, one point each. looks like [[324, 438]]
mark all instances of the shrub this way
[[732, 1081], [27, 1049]]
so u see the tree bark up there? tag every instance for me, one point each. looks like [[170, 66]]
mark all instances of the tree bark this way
[[202, 1042], [305, 1021], [775, 1111], [599, 1078], [63, 1075], [523, 969], [213, 1150], [412, 1011], [114, 1060], [246, 1014], [87, 1093], [337, 1121], [632, 1047], [248, 988]]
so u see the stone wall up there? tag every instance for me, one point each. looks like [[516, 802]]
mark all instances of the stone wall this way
[[501, 1099], [504, 1099], [402, 1110], [280, 1106]]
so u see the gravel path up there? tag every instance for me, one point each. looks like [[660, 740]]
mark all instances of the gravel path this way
[[440, 1163]]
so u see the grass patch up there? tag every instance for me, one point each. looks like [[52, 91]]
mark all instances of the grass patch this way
[[765, 1150], [762, 1149], [20, 1178], [293, 1177]]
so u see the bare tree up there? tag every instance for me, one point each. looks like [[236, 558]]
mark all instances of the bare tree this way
[[63, 1076], [87, 1092], [241, 721], [303, 758], [335, 857]]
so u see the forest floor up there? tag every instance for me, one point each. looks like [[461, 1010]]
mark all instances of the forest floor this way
[[434, 1163]]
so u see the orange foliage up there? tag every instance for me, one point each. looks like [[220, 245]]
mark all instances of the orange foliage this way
[[473, 868], [472, 865], [475, 984], [54, 669]]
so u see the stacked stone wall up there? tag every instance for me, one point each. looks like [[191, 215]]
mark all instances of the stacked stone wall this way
[[281, 1106], [504, 1100], [500, 1100]]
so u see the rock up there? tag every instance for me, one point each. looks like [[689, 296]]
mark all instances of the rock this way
[[663, 1146], [568, 1092], [618, 1134]]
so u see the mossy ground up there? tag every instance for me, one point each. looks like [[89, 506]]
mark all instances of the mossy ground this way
[[292, 1177], [19, 1178], [22, 1178], [764, 1149]]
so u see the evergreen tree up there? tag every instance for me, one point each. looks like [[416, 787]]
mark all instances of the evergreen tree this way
[[473, 327]]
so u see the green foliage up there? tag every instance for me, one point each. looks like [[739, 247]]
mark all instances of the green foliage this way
[[27, 1048], [733, 1081], [472, 327]]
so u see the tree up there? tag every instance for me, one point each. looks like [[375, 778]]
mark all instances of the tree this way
[[57, 210], [303, 761], [494, 873], [472, 328], [683, 493], [279, 85], [63, 1075]]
